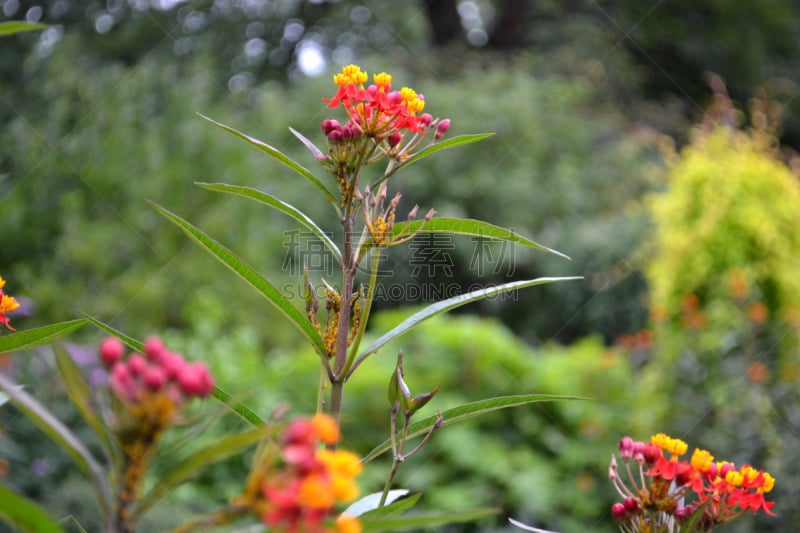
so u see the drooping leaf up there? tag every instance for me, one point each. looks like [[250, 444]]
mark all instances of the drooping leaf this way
[[446, 305], [466, 412], [397, 507], [81, 396], [316, 152], [529, 528], [248, 274], [474, 228], [16, 26], [32, 338], [283, 207], [23, 514], [197, 462], [452, 142], [236, 406], [46, 421], [370, 502], [423, 520], [277, 154]]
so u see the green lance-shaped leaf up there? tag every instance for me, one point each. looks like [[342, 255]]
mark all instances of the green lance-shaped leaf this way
[[81, 396], [23, 514], [446, 305], [466, 412], [193, 465], [397, 501], [283, 207], [452, 142], [32, 338], [277, 154], [248, 274], [61, 435], [14, 26], [528, 528], [316, 152], [234, 405], [474, 228], [423, 520]]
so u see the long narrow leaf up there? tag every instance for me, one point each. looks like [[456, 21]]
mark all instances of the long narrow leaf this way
[[277, 154], [197, 462], [61, 435], [446, 305], [316, 152], [239, 408], [393, 507], [283, 207], [529, 528], [81, 396], [443, 145], [23, 514], [14, 26], [425, 520], [466, 412], [248, 274], [475, 228], [32, 338]]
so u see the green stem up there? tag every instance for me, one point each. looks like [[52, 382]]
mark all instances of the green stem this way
[[323, 381], [373, 277]]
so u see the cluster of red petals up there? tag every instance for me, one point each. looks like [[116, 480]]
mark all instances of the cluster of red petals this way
[[377, 110], [158, 371], [7, 305], [720, 490], [301, 495]]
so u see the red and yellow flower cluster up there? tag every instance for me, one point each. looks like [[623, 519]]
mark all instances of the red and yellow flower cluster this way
[[378, 112], [153, 384], [7, 305], [668, 491], [300, 495]]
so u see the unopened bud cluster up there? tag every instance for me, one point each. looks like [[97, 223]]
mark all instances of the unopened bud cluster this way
[[138, 376]]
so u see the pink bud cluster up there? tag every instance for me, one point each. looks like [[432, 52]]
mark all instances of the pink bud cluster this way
[[641, 452], [156, 370], [336, 133]]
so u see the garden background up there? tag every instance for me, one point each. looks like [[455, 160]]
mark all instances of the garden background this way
[[653, 142]]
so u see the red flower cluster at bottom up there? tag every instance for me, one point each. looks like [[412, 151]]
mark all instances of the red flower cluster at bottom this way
[[299, 495], [656, 498]]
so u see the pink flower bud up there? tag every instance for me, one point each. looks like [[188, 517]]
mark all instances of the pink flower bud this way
[[626, 448], [195, 380], [137, 364], [335, 136], [394, 139], [121, 382], [684, 513], [425, 119], [429, 215], [153, 347], [630, 504], [154, 377], [442, 128], [651, 453], [618, 512], [396, 200], [111, 351], [413, 213], [329, 124], [172, 364]]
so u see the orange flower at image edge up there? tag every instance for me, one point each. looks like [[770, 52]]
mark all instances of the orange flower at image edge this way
[[7, 305]]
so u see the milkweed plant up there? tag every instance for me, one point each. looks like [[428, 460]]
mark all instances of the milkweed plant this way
[[300, 479]]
